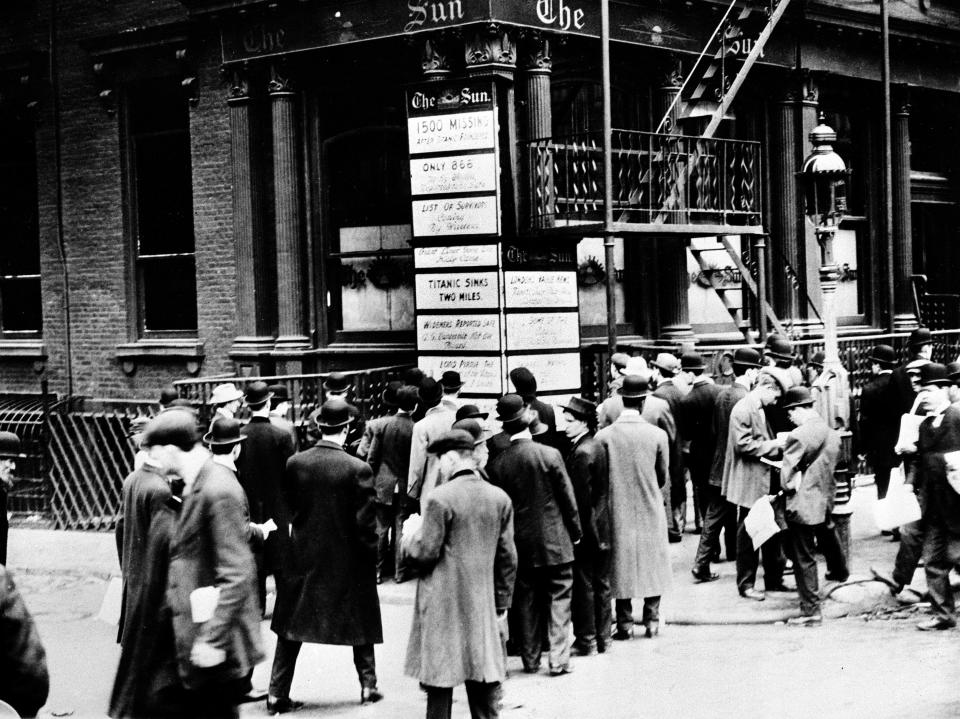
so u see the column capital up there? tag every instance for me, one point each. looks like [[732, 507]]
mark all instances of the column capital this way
[[901, 99], [280, 81], [809, 89], [537, 55], [672, 77], [490, 48], [435, 56], [238, 82]]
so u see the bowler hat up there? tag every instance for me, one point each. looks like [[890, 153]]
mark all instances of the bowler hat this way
[[817, 359], [430, 391], [471, 411], [10, 445], [919, 337], [953, 370], [883, 355], [934, 373], [691, 361], [634, 385], [257, 392], [333, 413], [336, 382], [796, 397], [473, 427], [168, 394], [511, 408], [407, 398], [223, 431], [389, 394], [451, 439], [913, 366], [450, 380], [280, 392], [619, 359], [523, 381], [746, 357], [666, 363], [779, 348], [581, 408], [226, 392], [413, 376], [175, 426]]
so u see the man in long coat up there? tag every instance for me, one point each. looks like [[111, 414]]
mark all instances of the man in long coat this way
[[638, 460], [746, 479], [469, 560], [696, 408], [330, 593], [546, 528], [26, 681], [880, 417], [437, 419]]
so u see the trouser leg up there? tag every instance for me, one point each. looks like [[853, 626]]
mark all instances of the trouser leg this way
[[559, 581], [712, 524], [439, 702], [881, 478], [730, 526], [213, 701], [941, 554], [601, 598], [366, 665], [624, 609], [581, 606], [908, 553], [284, 664], [651, 610], [484, 699], [527, 611], [829, 544], [771, 553], [805, 567], [746, 555], [384, 525]]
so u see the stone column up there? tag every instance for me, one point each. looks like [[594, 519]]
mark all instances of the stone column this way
[[288, 203], [671, 257], [538, 192], [808, 250], [252, 285], [784, 201], [538, 64], [904, 318]]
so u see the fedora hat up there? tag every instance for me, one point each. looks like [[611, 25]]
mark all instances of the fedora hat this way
[[796, 397], [817, 359], [257, 392], [451, 439], [634, 385], [691, 361], [430, 391], [10, 446], [666, 362], [746, 357], [450, 380], [333, 413], [581, 408], [336, 382], [779, 348], [176, 426], [636, 366], [222, 432], [223, 393], [511, 408], [883, 355], [280, 392], [471, 411], [523, 381], [920, 337], [473, 427], [935, 374], [389, 394], [407, 398]]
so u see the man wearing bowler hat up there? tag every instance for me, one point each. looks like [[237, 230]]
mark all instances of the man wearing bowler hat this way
[[809, 459], [338, 385], [437, 419], [696, 428], [374, 429], [880, 415], [547, 526], [638, 461], [587, 467], [329, 595], [452, 384], [526, 386], [9, 454], [280, 411], [920, 347]]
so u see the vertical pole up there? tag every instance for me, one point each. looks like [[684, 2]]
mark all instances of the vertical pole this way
[[887, 166], [761, 248], [608, 178]]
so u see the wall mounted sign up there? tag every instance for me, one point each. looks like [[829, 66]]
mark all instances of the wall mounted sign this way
[[554, 372], [455, 256], [457, 291], [540, 289], [481, 375], [544, 330], [458, 333], [453, 173], [454, 132], [456, 216]]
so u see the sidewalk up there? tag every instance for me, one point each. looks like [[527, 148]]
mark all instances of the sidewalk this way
[[93, 555]]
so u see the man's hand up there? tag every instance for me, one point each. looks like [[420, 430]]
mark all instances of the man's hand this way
[[205, 656]]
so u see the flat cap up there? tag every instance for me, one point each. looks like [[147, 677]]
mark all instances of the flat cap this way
[[452, 439]]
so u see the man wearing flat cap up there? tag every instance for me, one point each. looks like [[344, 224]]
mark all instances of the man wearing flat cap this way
[[638, 461], [880, 414], [468, 563], [547, 526], [807, 478], [437, 420], [587, 467], [329, 594], [9, 453]]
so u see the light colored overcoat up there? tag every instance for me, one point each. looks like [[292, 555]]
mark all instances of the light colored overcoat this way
[[745, 477], [638, 461], [809, 459]]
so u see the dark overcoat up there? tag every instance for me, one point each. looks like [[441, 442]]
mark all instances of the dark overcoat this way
[[587, 467], [24, 680], [880, 421], [146, 665], [260, 466], [469, 563], [697, 410], [330, 594], [723, 406], [211, 547], [546, 522], [809, 459], [389, 456], [940, 502]]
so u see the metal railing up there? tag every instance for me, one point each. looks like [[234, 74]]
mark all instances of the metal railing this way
[[658, 178]]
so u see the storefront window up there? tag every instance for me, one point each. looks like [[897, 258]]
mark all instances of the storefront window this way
[[591, 281]]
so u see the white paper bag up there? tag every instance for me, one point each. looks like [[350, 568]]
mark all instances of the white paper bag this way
[[899, 507], [203, 603], [112, 602], [760, 523]]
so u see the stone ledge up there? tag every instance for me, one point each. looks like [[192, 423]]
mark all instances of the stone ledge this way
[[23, 349], [190, 350]]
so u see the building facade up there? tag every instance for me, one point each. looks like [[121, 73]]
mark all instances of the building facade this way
[[212, 187]]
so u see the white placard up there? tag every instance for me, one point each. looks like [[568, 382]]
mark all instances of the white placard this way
[[554, 372], [455, 256], [456, 216], [453, 173], [457, 290], [540, 289], [453, 132], [461, 333], [483, 375], [545, 330]]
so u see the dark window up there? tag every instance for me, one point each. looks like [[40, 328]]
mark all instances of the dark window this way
[[162, 204], [20, 307]]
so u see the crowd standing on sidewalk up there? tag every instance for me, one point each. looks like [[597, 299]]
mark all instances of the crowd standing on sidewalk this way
[[534, 539]]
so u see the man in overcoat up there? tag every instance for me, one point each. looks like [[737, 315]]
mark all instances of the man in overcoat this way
[[920, 345], [468, 565], [746, 479], [330, 593], [210, 550], [880, 417], [719, 514], [437, 419], [374, 428], [699, 440], [664, 409], [587, 467], [809, 460], [638, 460], [546, 526], [26, 681], [9, 454]]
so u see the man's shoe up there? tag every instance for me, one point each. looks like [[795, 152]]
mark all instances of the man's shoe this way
[[253, 696], [582, 649], [531, 669], [674, 537], [936, 624], [778, 588], [561, 670], [701, 577], [653, 629], [370, 695], [886, 579], [831, 577], [754, 594], [282, 705], [806, 620], [622, 635]]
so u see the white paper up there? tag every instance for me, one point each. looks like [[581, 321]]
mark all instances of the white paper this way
[[203, 602], [112, 602], [899, 507], [952, 460], [760, 523], [909, 433]]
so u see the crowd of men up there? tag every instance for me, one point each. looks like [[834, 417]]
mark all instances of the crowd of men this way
[[532, 540]]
